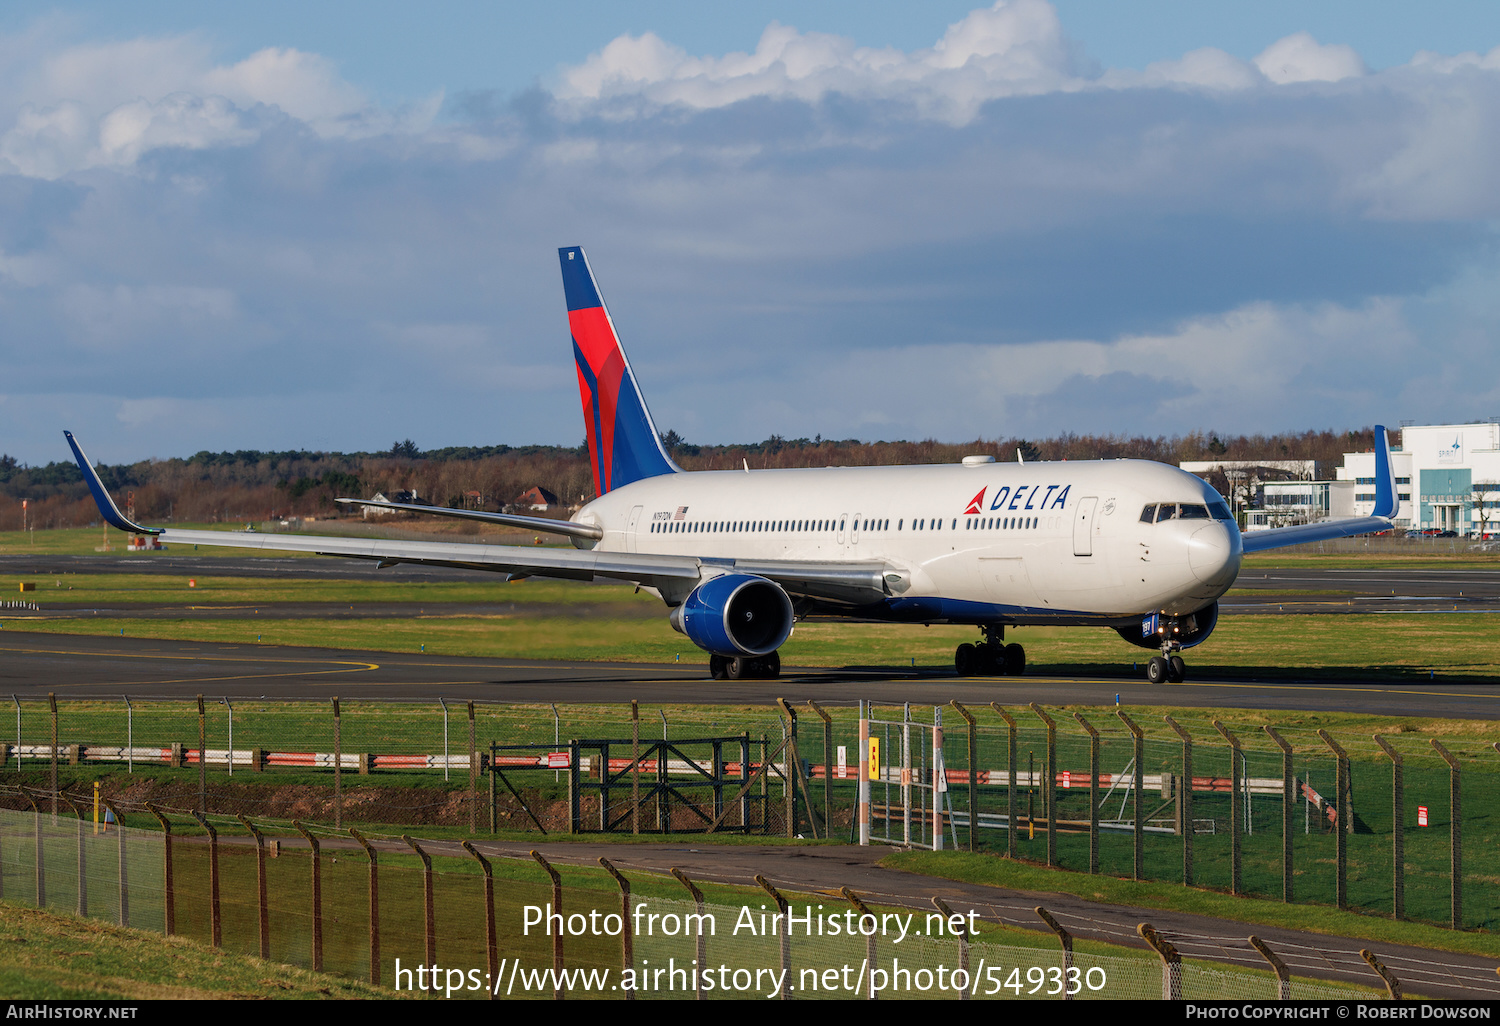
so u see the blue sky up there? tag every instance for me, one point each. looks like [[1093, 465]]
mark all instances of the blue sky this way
[[335, 225]]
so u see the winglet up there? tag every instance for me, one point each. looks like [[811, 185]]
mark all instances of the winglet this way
[[1386, 501], [107, 508]]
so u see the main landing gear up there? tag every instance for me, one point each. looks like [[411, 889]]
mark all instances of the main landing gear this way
[[766, 667], [991, 657]]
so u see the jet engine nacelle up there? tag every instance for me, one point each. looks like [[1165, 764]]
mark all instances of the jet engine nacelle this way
[[1192, 629], [736, 615]]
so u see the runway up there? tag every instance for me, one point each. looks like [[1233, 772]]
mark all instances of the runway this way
[[32, 665], [82, 666]]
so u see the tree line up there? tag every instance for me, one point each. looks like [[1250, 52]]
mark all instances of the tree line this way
[[252, 485]]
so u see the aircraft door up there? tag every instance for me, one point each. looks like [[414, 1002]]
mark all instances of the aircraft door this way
[[630, 528], [1083, 526]]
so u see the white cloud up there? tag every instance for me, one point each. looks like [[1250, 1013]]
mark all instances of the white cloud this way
[[1016, 47], [1301, 58], [107, 104]]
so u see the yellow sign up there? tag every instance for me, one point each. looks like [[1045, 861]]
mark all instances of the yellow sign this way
[[874, 758]]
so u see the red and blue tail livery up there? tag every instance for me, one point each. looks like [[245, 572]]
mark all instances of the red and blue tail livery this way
[[623, 443]]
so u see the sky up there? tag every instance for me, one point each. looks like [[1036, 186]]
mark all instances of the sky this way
[[335, 226]]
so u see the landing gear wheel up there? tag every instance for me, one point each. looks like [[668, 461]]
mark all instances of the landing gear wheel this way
[[716, 667], [966, 660], [771, 666], [1013, 661], [1176, 669], [1156, 670], [736, 668]]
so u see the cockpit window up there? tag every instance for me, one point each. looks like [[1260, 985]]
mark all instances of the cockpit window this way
[[1220, 511], [1193, 512], [1167, 511], [1148, 515]]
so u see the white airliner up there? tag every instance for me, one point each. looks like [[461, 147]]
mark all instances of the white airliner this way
[[740, 556]]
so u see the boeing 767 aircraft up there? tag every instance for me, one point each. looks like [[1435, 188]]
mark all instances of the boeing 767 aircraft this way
[[740, 556]]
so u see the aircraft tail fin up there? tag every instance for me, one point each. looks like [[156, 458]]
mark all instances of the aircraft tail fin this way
[[623, 442]]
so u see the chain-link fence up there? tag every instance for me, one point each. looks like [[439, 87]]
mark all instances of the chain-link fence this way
[[429, 916], [1401, 825]]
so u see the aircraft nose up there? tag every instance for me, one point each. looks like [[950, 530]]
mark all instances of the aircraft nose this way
[[1212, 555]]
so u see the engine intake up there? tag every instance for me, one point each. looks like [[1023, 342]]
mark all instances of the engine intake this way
[[1192, 629], [736, 615]]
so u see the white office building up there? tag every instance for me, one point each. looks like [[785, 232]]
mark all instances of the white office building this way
[[1447, 475]]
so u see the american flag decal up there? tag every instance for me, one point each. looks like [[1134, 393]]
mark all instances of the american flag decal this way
[[681, 513]]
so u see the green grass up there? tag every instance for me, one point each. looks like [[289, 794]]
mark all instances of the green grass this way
[[1377, 647], [63, 958], [66, 591], [1000, 872]]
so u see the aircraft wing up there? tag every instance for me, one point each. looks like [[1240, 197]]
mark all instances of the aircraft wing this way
[[1386, 504], [852, 582]]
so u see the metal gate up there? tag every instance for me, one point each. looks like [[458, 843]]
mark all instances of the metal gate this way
[[903, 787]]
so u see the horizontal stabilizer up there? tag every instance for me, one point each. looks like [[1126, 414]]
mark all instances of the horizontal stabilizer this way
[[544, 524]]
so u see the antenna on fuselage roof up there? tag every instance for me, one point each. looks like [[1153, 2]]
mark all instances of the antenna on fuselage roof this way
[[1019, 457], [746, 462]]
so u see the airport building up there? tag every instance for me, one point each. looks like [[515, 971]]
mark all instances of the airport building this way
[[1447, 479]]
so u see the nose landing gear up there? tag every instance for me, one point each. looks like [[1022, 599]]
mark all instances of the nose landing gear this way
[[1168, 666], [991, 657]]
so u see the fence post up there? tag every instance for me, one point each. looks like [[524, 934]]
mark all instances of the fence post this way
[[317, 895], [827, 767], [1455, 819], [1185, 801], [171, 894], [491, 942], [1392, 985], [1288, 806], [1398, 830], [963, 941], [473, 775], [1010, 782], [1137, 758], [203, 763], [863, 910], [866, 768], [41, 865], [429, 913], [1171, 962], [338, 769], [52, 703], [1283, 974], [627, 932], [1235, 826], [1093, 791], [786, 932], [557, 937], [263, 901], [374, 905], [1066, 940], [789, 754], [1049, 786], [635, 767], [972, 747], [217, 925], [1342, 815], [702, 952]]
